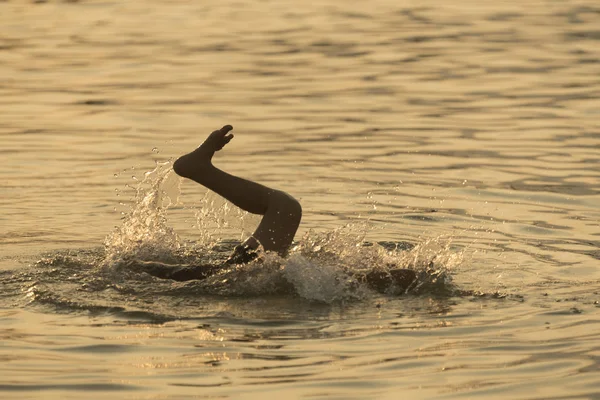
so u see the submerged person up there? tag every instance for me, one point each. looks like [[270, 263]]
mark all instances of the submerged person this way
[[281, 217]]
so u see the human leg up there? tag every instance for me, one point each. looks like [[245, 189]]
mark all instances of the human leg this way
[[281, 212]]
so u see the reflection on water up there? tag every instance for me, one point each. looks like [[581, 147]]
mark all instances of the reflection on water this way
[[472, 124]]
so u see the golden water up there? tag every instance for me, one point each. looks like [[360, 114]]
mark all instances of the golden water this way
[[468, 124]]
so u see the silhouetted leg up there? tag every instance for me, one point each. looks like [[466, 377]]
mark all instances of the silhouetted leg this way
[[281, 212]]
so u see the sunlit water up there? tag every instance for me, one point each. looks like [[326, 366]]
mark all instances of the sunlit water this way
[[459, 139]]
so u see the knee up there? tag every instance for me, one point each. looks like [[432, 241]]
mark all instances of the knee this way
[[295, 210], [289, 206]]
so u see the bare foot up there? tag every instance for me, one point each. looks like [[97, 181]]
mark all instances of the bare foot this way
[[192, 164]]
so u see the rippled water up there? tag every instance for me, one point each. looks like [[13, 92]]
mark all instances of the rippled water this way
[[461, 139]]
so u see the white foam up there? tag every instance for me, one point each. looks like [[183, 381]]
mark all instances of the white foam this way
[[323, 282], [144, 232]]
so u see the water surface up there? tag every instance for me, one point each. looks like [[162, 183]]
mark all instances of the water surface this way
[[466, 134]]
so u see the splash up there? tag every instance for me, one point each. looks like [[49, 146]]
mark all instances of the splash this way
[[318, 267], [144, 233], [324, 266], [216, 217], [327, 267]]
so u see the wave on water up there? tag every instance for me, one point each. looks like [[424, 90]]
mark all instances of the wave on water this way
[[321, 266]]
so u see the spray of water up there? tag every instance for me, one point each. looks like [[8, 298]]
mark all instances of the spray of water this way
[[144, 233], [216, 217], [322, 266], [325, 266]]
